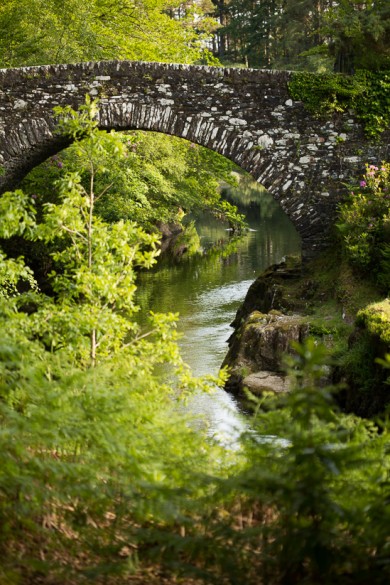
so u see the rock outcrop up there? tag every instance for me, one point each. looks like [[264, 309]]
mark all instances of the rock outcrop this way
[[255, 356], [287, 304], [269, 292], [266, 382], [264, 327]]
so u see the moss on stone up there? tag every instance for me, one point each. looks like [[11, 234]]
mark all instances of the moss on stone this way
[[376, 319], [255, 317]]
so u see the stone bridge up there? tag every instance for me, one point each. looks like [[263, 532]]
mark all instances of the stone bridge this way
[[246, 115]]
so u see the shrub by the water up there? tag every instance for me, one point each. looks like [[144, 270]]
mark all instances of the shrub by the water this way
[[364, 222]]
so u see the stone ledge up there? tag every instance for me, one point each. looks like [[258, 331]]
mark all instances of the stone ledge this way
[[265, 381]]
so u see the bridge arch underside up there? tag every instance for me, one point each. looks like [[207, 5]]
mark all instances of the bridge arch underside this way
[[247, 116], [278, 174], [260, 163]]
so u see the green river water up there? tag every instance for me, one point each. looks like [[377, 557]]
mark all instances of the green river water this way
[[207, 288]]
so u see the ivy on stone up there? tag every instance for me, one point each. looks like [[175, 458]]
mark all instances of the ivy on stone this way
[[367, 93]]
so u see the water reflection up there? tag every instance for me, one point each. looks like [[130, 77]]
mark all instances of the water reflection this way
[[220, 415], [207, 289], [206, 325]]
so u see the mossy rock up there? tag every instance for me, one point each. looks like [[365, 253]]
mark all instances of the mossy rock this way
[[256, 317], [376, 319]]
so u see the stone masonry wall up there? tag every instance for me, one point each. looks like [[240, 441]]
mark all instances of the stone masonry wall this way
[[245, 115]]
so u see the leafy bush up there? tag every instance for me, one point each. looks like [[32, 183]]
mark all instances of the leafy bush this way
[[159, 179], [364, 223]]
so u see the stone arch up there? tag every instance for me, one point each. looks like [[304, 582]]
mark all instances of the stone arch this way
[[245, 115], [227, 142]]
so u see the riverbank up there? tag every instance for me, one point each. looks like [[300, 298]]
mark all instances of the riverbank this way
[[325, 300]]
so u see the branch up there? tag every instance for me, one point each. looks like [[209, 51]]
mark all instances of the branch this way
[[138, 338], [74, 232], [97, 197]]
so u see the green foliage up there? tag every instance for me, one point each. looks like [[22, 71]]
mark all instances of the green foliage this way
[[315, 534], [308, 504], [384, 267], [95, 261], [364, 223], [12, 273], [228, 212], [321, 329], [35, 32], [385, 363], [159, 180], [272, 33], [373, 106], [18, 213], [358, 365], [359, 34], [326, 92], [365, 92], [82, 464], [187, 241], [83, 415], [18, 217]]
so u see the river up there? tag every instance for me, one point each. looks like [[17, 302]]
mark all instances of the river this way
[[206, 289]]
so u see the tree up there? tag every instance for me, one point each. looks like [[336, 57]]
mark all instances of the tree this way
[[83, 414], [159, 181], [35, 32], [272, 33], [314, 35], [359, 34]]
